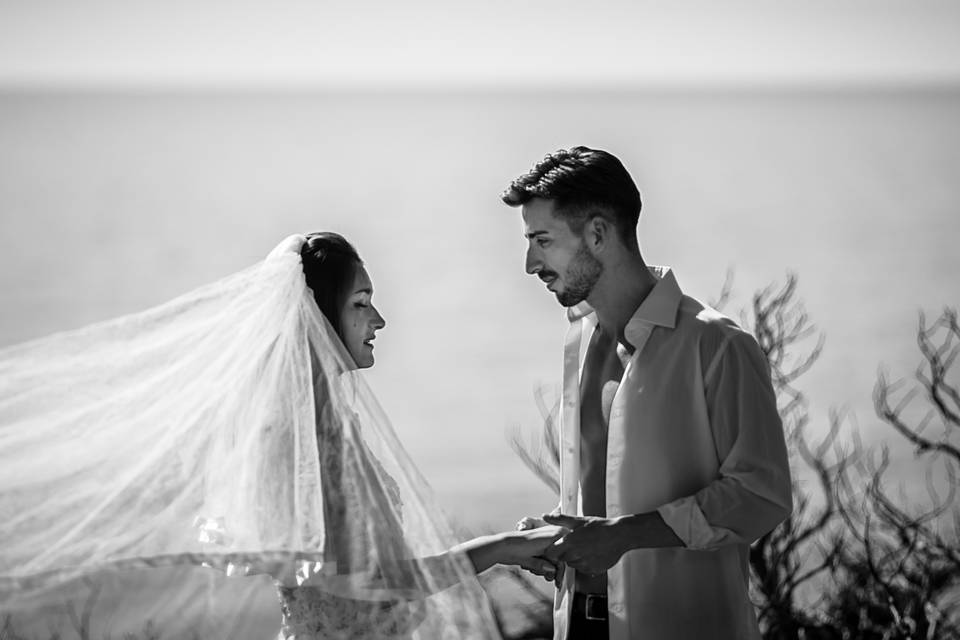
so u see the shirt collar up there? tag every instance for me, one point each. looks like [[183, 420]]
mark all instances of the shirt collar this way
[[658, 308]]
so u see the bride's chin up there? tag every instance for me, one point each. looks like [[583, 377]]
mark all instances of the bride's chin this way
[[366, 358]]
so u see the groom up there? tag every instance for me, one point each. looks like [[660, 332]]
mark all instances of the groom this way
[[673, 458]]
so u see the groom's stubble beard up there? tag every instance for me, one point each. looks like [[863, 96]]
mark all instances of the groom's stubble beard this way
[[581, 276]]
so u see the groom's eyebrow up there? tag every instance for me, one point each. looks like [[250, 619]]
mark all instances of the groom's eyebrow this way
[[534, 234]]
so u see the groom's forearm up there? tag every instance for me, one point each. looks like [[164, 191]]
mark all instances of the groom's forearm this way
[[646, 531]]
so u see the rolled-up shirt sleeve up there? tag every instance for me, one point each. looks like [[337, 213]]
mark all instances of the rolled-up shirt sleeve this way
[[752, 493]]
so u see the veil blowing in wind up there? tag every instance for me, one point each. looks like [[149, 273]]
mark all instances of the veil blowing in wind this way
[[229, 430]]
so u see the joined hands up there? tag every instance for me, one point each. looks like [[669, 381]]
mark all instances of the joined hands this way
[[586, 543], [527, 547]]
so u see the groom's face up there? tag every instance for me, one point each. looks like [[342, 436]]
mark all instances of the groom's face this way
[[557, 255]]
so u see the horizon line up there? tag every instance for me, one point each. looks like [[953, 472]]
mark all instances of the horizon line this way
[[182, 86]]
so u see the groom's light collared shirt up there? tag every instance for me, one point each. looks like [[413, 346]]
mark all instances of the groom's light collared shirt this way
[[694, 434]]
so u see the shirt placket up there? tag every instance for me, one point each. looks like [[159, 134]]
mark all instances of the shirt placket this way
[[569, 455], [616, 444], [570, 424]]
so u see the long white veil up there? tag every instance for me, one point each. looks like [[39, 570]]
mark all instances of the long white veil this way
[[222, 430]]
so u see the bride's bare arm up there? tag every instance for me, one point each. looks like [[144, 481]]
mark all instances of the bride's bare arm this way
[[440, 571], [522, 548]]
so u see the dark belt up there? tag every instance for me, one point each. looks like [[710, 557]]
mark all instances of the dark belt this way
[[590, 606]]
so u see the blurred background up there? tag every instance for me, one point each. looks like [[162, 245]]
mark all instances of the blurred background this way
[[147, 148]]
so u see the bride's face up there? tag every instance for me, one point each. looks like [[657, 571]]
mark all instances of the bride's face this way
[[360, 320]]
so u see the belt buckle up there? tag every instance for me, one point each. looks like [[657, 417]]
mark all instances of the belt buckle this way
[[595, 607]]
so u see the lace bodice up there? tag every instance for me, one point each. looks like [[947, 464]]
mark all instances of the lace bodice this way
[[310, 614], [360, 529]]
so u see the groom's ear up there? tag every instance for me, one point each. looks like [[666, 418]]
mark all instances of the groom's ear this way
[[597, 233]]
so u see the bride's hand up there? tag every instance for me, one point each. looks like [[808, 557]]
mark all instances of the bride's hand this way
[[526, 547], [534, 522], [529, 522]]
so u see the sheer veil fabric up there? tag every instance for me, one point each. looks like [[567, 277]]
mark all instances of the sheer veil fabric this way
[[223, 430]]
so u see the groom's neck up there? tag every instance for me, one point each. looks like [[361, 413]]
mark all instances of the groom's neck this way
[[621, 289]]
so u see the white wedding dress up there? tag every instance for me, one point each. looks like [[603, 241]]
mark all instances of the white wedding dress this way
[[223, 429]]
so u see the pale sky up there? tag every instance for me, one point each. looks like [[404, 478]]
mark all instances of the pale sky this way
[[418, 44]]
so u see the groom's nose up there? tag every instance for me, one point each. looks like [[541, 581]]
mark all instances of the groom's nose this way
[[533, 264]]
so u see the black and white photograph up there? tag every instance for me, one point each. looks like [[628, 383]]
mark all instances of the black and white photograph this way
[[484, 320]]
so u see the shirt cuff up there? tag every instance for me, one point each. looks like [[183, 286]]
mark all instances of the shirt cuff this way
[[686, 519]]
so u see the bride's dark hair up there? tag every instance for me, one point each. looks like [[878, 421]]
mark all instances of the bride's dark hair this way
[[330, 264]]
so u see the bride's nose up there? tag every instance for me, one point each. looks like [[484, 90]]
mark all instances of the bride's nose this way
[[378, 321]]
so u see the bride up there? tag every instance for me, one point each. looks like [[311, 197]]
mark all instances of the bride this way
[[230, 429]]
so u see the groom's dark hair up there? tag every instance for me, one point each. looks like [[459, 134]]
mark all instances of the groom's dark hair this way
[[582, 183], [330, 265]]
